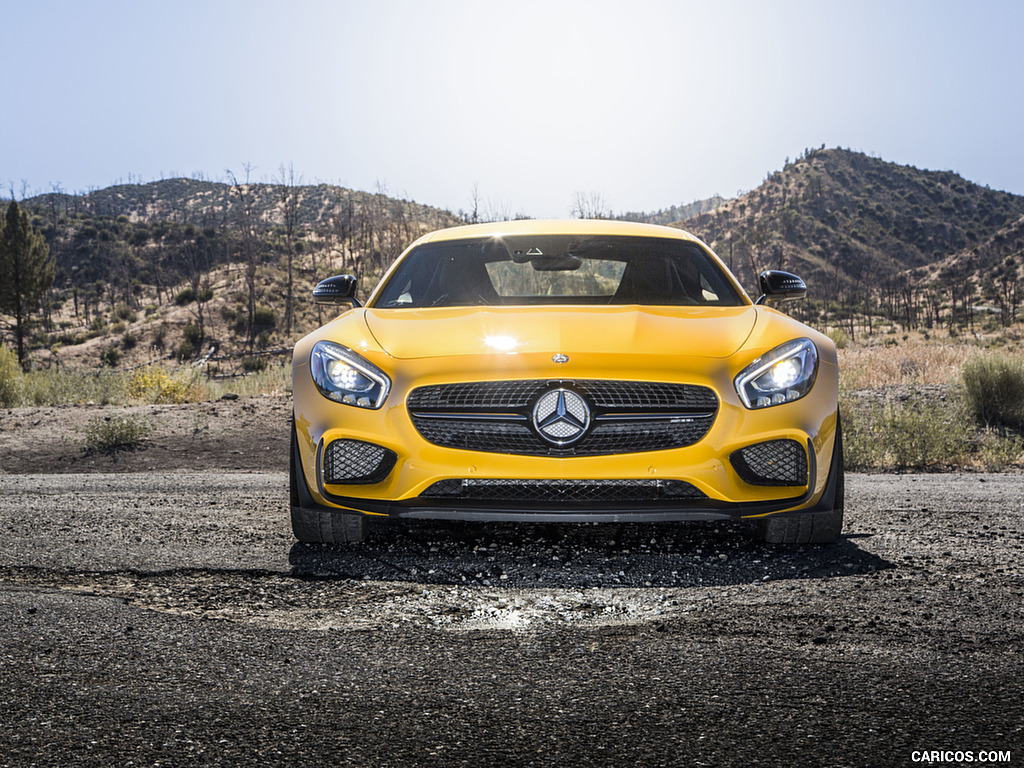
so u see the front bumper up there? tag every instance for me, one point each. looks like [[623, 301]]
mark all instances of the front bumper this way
[[723, 493], [566, 511]]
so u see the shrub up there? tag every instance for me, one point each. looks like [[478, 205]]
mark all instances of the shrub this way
[[997, 452], [159, 335], [254, 364], [115, 433], [994, 390], [185, 296], [10, 378], [191, 333], [860, 448], [264, 319], [129, 340], [123, 312], [922, 433], [110, 357], [154, 384], [912, 434], [70, 339], [185, 351]]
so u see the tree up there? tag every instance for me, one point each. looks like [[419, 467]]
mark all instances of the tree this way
[[26, 272], [592, 206], [246, 217], [290, 213]]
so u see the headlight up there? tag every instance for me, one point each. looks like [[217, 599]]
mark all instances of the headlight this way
[[781, 376], [342, 375]]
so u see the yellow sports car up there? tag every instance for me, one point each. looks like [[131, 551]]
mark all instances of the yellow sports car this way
[[565, 371]]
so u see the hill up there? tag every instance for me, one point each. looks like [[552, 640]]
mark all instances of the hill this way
[[175, 266], [985, 279], [847, 220], [675, 213]]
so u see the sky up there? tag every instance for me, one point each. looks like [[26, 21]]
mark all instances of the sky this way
[[523, 105]]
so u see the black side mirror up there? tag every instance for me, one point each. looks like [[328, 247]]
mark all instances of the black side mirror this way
[[776, 284], [340, 289]]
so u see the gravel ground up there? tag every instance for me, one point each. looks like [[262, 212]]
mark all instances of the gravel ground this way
[[168, 618]]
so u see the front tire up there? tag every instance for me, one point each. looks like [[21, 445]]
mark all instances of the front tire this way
[[314, 525], [812, 527]]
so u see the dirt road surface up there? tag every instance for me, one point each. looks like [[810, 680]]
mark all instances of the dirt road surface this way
[[166, 617]]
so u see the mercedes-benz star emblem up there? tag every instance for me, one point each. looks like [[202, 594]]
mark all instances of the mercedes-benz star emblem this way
[[561, 416], [560, 358]]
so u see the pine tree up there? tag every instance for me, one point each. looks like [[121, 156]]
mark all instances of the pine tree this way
[[26, 272]]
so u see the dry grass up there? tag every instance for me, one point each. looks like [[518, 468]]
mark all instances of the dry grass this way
[[913, 361], [273, 380]]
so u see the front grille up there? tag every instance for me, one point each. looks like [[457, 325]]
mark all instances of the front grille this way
[[354, 462], [775, 462], [562, 491], [489, 396], [627, 416]]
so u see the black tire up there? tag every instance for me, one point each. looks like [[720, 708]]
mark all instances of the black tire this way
[[319, 526], [812, 527], [315, 526]]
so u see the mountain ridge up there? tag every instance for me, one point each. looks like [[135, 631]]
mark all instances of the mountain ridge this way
[[871, 237]]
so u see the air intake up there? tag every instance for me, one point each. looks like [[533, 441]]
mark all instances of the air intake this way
[[354, 462], [775, 462]]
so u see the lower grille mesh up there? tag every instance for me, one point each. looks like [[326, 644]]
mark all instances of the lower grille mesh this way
[[563, 491], [775, 462], [604, 438], [354, 462]]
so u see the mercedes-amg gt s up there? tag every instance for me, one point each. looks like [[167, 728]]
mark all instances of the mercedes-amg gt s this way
[[565, 371]]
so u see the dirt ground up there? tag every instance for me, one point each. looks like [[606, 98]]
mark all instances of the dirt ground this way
[[247, 433], [156, 610]]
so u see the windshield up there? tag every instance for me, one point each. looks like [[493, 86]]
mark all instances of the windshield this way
[[526, 270]]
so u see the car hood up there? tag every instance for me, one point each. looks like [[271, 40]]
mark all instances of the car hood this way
[[691, 331]]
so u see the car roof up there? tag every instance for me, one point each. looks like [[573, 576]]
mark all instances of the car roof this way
[[557, 227]]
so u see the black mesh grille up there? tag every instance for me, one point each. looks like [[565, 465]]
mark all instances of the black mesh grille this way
[[498, 396], [563, 491], [354, 462], [776, 462], [491, 436], [477, 396], [628, 416]]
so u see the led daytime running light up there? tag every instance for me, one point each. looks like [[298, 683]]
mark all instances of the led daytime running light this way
[[346, 377], [781, 376]]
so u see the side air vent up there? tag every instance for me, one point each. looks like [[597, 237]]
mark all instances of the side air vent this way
[[775, 462], [354, 462]]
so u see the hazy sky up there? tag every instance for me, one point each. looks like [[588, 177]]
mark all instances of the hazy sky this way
[[645, 103]]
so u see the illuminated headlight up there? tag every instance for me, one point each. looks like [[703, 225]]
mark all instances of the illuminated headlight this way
[[783, 375], [342, 375]]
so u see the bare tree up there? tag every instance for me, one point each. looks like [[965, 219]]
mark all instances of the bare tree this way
[[246, 220], [290, 215], [590, 206], [474, 214], [195, 257]]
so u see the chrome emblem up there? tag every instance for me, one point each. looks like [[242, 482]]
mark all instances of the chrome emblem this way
[[560, 358], [561, 417]]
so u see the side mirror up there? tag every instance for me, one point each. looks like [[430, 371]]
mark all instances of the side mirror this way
[[340, 289], [776, 284]]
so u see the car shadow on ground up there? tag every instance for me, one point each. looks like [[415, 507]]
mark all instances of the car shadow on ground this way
[[577, 555]]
